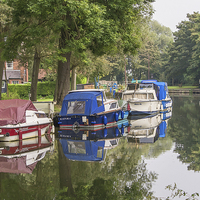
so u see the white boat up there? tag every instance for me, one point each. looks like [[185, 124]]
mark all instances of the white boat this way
[[149, 128], [148, 97], [144, 130], [19, 119]]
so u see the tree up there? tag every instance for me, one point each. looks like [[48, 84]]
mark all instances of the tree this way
[[101, 26], [148, 63], [184, 66], [5, 11]]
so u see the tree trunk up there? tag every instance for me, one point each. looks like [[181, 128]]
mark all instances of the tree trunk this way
[[63, 78], [1, 75], [73, 81], [36, 65], [63, 68], [56, 90], [65, 172]]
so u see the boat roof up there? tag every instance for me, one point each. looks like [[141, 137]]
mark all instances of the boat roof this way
[[13, 111], [16, 165], [89, 97], [88, 90]]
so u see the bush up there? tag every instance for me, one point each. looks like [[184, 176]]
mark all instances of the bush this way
[[22, 91], [11, 95]]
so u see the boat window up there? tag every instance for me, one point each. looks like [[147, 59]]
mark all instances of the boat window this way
[[41, 115], [99, 152], [150, 96], [76, 107], [99, 100], [127, 96], [141, 95], [76, 147], [113, 105], [143, 86]]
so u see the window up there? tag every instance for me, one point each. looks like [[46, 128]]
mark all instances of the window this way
[[9, 65], [3, 84], [150, 96], [41, 115], [76, 147], [99, 152], [141, 95], [15, 82], [76, 107], [113, 105], [128, 96], [99, 100]]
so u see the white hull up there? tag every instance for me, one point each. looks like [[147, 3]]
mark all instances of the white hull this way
[[146, 123], [144, 106], [31, 134]]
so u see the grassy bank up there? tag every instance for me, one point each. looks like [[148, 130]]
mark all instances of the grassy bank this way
[[183, 87]]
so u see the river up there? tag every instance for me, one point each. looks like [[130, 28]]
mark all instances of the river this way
[[134, 162]]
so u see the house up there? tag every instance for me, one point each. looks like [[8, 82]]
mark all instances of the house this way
[[15, 73]]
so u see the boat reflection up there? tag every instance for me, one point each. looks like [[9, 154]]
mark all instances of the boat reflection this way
[[91, 145], [22, 156], [148, 129]]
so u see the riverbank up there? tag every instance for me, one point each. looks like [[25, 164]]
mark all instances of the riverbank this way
[[184, 91]]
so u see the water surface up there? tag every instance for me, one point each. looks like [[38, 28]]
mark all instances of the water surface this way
[[128, 165]]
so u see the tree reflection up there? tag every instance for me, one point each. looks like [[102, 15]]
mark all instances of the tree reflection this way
[[122, 176], [184, 129]]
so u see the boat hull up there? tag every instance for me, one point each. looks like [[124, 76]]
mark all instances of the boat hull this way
[[166, 105], [93, 121], [23, 132], [144, 107]]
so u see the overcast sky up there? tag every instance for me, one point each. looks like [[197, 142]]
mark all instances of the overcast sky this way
[[170, 12]]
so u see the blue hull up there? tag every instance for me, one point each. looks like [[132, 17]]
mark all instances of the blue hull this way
[[166, 105], [104, 133], [76, 121]]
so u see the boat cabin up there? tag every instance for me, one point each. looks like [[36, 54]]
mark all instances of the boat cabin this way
[[86, 102], [83, 150]]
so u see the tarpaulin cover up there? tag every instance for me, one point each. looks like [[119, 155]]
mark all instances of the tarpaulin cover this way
[[15, 165], [13, 111], [162, 90], [90, 98]]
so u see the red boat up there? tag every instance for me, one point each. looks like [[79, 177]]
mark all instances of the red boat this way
[[22, 156], [19, 119]]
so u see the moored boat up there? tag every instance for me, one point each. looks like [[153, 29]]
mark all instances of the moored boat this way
[[22, 156], [88, 108], [147, 97], [19, 119]]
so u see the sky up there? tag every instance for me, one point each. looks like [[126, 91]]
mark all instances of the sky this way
[[170, 13]]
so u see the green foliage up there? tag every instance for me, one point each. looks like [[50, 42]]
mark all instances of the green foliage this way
[[11, 95], [22, 91], [46, 88], [184, 53], [80, 79], [176, 192]]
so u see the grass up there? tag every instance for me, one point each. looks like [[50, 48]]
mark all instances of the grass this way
[[41, 100], [183, 87]]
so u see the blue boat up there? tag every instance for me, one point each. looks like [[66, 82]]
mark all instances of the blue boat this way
[[95, 134], [88, 108], [147, 97], [83, 150]]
